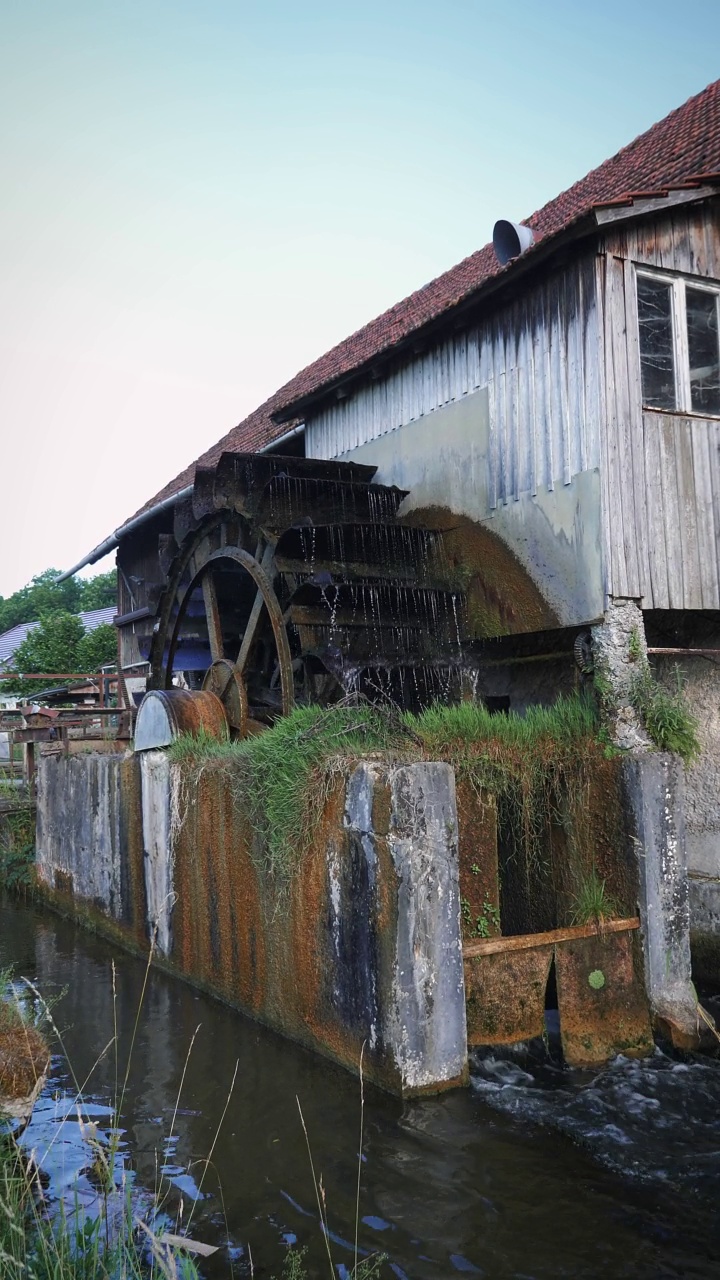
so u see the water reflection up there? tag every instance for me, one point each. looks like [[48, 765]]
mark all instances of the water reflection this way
[[505, 1180]]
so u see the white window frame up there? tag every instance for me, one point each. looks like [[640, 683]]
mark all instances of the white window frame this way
[[681, 354]]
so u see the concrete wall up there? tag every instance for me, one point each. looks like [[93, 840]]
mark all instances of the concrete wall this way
[[363, 948], [550, 535], [701, 684], [89, 834]]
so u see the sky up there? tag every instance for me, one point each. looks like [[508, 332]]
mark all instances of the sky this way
[[199, 198]]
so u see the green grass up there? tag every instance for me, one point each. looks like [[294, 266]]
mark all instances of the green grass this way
[[272, 774], [470, 723], [34, 1245], [282, 777], [592, 904], [666, 716]]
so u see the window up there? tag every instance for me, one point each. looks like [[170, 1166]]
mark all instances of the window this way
[[679, 344]]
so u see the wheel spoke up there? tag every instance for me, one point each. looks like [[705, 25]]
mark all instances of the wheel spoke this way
[[212, 613], [251, 628]]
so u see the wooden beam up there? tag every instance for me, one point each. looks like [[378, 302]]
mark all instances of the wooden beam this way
[[212, 613], [525, 941]]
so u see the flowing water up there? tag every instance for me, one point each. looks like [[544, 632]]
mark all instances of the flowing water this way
[[534, 1172]]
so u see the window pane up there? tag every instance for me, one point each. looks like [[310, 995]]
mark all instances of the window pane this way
[[656, 343], [702, 325]]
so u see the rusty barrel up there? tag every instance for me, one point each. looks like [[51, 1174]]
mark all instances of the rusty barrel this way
[[165, 714]]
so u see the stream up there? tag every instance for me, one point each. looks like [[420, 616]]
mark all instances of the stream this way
[[533, 1172]]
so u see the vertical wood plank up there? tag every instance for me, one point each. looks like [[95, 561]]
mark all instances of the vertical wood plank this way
[[658, 596], [671, 511], [563, 390], [635, 428], [625, 559], [703, 438], [493, 481], [686, 545]]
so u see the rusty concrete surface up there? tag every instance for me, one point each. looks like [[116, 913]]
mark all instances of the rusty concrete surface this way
[[601, 999], [506, 995]]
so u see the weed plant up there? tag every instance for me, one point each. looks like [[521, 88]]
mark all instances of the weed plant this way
[[45, 1242], [666, 715], [592, 904], [17, 846], [283, 776], [70, 1248]]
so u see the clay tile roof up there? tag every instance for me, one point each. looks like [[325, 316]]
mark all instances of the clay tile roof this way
[[682, 149]]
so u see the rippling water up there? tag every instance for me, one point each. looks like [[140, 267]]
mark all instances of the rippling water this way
[[534, 1172]]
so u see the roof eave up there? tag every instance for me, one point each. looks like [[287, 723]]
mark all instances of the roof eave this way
[[584, 227], [625, 209]]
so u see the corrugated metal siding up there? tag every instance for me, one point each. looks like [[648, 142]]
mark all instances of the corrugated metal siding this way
[[661, 471], [539, 358]]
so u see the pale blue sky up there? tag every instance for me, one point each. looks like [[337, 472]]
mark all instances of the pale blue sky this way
[[200, 198]]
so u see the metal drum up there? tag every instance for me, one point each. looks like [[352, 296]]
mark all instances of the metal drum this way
[[164, 714]]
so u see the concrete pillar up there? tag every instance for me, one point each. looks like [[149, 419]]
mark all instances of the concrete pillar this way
[[157, 807], [619, 656], [406, 823], [426, 1026], [654, 789]]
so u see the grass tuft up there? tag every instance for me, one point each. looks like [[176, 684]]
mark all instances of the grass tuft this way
[[592, 904], [281, 776], [666, 715]]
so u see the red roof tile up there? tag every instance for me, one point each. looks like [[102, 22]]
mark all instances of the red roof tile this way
[[683, 148]]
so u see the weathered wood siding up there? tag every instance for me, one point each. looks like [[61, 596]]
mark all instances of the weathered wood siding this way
[[539, 358], [661, 471]]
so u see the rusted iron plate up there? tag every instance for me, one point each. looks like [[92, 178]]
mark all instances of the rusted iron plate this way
[[505, 995], [525, 941], [601, 999]]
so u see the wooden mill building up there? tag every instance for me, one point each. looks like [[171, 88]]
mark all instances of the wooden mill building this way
[[551, 405]]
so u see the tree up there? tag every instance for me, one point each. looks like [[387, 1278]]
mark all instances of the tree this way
[[51, 646], [44, 595], [97, 648], [99, 592]]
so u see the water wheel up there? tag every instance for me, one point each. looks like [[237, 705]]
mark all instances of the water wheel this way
[[292, 580]]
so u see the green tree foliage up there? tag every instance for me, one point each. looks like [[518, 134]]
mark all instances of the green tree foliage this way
[[60, 644], [51, 646], [97, 648], [99, 592], [44, 595]]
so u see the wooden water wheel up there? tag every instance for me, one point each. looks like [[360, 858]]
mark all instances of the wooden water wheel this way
[[292, 580]]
